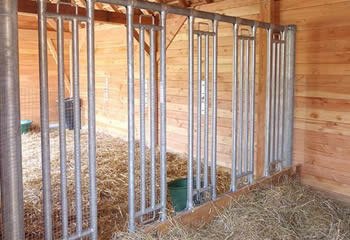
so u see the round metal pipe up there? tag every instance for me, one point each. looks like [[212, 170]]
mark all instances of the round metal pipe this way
[[10, 134]]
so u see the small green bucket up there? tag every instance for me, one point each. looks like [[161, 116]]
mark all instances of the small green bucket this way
[[178, 193], [25, 125]]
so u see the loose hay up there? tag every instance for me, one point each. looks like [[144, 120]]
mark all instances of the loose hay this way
[[112, 182], [288, 211]]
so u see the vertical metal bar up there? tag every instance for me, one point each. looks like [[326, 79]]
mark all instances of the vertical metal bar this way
[[10, 136], [142, 122], [234, 109], [62, 127], [273, 101], [152, 118], [91, 116], [214, 114], [44, 119], [163, 185], [246, 108], [206, 112], [252, 108], [290, 85], [199, 112], [268, 104], [282, 96], [240, 114], [131, 117], [277, 126], [189, 204], [76, 110]]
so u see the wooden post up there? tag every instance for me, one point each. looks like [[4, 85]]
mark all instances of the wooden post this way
[[267, 14]]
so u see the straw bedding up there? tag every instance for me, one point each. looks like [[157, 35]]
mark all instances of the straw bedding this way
[[288, 211], [112, 182]]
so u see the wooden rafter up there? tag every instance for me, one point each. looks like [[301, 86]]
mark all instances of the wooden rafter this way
[[26, 7], [136, 34], [52, 24], [53, 51]]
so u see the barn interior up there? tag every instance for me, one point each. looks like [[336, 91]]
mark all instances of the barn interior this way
[[73, 121]]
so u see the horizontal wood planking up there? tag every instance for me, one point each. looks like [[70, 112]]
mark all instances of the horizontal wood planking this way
[[111, 62], [29, 72], [322, 115], [318, 17]]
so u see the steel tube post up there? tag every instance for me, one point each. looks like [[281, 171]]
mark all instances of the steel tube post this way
[[282, 96], [10, 133], [273, 101], [277, 126], [234, 109], [246, 108], [152, 118], [240, 130], [91, 116], [199, 112], [290, 84], [214, 109], [76, 109], [62, 127], [131, 117], [163, 184], [142, 122], [44, 119], [189, 204], [268, 104], [206, 112], [252, 108]]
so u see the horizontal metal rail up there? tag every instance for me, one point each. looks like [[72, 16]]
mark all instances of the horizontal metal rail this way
[[148, 27], [67, 17], [244, 174], [148, 210], [191, 12], [198, 32], [85, 233], [246, 38]]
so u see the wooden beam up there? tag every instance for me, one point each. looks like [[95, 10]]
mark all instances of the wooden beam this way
[[266, 15], [26, 7], [52, 23], [206, 212], [53, 52], [136, 34]]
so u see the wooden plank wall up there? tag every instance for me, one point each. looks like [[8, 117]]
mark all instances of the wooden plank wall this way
[[29, 70], [322, 85], [322, 114], [111, 79], [111, 64], [177, 85]]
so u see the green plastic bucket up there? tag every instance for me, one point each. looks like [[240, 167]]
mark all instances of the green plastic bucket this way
[[25, 125], [178, 193]]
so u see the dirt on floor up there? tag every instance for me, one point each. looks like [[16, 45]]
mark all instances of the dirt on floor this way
[[112, 182], [287, 211]]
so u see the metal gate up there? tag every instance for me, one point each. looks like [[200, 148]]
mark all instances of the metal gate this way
[[280, 99], [155, 206], [279, 113], [74, 19], [243, 108]]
